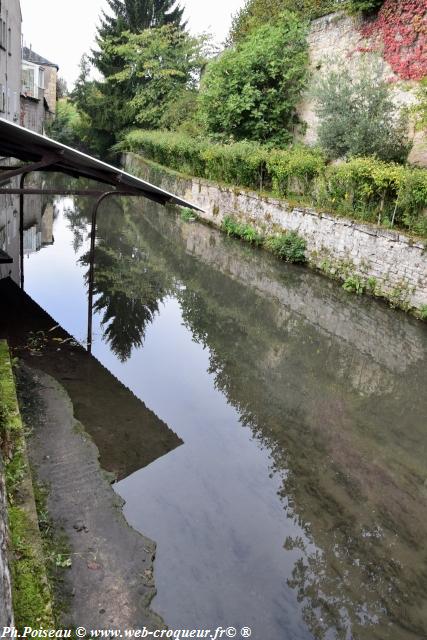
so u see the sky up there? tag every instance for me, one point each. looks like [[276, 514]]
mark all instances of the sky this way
[[62, 31]]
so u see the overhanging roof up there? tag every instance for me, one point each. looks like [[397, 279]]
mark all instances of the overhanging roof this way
[[28, 146]]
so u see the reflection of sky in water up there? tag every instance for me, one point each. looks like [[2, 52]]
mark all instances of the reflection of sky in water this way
[[212, 505], [222, 522], [55, 279]]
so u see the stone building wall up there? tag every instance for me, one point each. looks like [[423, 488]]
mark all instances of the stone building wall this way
[[338, 246], [50, 79], [10, 59], [33, 113], [335, 39]]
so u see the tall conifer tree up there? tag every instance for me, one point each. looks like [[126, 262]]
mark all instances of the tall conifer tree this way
[[136, 15]]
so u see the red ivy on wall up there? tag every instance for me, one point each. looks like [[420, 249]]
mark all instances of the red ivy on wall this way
[[400, 31]]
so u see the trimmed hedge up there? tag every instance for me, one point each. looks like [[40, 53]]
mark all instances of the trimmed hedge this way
[[362, 188]]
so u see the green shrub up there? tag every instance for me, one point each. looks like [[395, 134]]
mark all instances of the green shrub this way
[[363, 6], [188, 215], [412, 201], [241, 230], [354, 284], [287, 246], [419, 110], [242, 163], [357, 114], [363, 188], [258, 12], [293, 170], [376, 191], [251, 91], [423, 312], [67, 127], [173, 149]]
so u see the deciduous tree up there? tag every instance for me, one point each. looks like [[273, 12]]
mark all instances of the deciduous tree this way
[[251, 91]]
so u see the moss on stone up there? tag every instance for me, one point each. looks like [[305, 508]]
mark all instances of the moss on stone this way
[[30, 590], [31, 594]]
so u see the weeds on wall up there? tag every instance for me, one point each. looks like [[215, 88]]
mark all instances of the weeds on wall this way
[[287, 246], [188, 215], [241, 230], [31, 592]]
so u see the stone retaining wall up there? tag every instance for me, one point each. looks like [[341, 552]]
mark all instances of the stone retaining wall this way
[[395, 264]]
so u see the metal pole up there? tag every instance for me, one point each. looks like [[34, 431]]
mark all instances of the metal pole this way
[[21, 229], [92, 265]]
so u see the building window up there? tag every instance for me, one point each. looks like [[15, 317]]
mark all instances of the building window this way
[[3, 34], [9, 41], [30, 80], [41, 78]]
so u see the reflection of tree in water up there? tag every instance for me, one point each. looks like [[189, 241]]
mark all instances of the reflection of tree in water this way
[[78, 221], [350, 577], [129, 293], [348, 484], [127, 288]]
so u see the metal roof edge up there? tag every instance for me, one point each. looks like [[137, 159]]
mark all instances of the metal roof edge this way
[[41, 140]]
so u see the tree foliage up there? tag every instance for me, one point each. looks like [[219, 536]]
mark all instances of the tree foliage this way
[[96, 110], [251, 91], [258, 12], [420, 108], [358, 116], [161, 68], [61, 88], [137, 15], [67, 125], [364, 6], [152, 84], [134, 16]]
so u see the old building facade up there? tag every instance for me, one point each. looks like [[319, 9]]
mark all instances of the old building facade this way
[[38, 96], [10, 90], [10, 59]]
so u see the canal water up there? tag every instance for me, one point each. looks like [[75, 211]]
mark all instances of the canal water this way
[[297, 503]]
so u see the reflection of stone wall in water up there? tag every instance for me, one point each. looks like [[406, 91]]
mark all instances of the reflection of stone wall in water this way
[[38, 218], [377, 359], [9, 235], [38, 226], [354, 472]]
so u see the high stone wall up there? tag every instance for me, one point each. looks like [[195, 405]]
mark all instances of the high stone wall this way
[[337, 39]]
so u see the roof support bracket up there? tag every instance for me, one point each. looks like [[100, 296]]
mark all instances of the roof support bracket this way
[[47, 160]]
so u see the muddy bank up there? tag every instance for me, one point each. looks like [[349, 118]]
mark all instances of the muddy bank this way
[[110, 580]]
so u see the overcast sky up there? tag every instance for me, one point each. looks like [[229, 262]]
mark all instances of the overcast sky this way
[[62, 31]]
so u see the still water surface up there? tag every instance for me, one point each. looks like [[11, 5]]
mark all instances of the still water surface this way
[[297, 503]]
